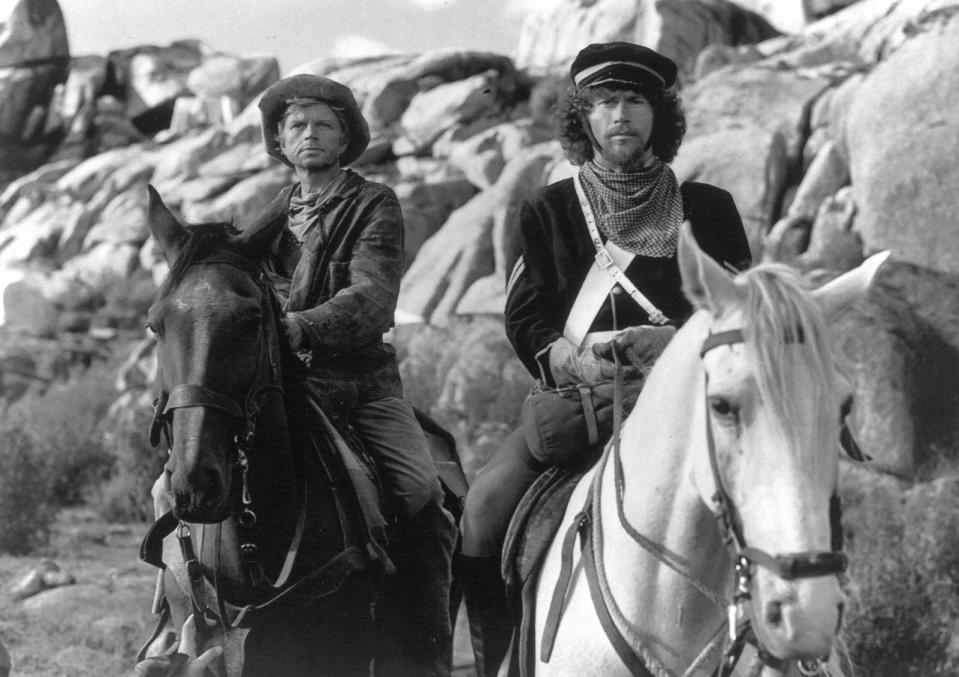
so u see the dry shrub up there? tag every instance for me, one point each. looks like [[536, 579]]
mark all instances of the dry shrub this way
[[904, 611], [25, 493], [63, 425], [125, 497]]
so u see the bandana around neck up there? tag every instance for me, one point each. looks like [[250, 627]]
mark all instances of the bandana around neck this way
[[639, 211], [304, 210]]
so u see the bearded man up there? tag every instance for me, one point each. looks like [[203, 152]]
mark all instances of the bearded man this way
[[593, 271]]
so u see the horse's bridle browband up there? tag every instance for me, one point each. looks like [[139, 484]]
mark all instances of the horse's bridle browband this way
[[792, 566]]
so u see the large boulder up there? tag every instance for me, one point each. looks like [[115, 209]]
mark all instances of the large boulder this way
[[244, 201], [426, 206], [903, 165], [470, 245], [903, 343], [26, 310], [149, 79], [863, 33], [384, 86], [449, 104], [551, 37], [749, 162], [34, 60], [481, 157]]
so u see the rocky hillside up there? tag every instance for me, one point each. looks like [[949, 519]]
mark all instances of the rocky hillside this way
[[832, 123]]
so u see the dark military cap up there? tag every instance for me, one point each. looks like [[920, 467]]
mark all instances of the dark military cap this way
[[622, 63], [305, 86]]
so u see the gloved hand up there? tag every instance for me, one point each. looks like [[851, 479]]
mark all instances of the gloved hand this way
[[637, 346], [294, 332], [569, 365]]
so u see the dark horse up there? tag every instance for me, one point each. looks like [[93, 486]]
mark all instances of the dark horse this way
[[268, 540]]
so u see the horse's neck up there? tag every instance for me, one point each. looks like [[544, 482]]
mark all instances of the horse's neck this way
[[663, 504]]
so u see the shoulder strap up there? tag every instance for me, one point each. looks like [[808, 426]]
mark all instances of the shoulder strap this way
[[607, 271]]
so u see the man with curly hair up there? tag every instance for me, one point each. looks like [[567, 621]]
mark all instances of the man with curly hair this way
[[593, 272]]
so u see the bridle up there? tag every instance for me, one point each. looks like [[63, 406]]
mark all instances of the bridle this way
[[745, 558], [792, 566], [246, 414]]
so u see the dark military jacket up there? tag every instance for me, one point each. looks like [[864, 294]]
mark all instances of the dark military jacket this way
[[551, 252]]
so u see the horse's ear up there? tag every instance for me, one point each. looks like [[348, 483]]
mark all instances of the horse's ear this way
[[705, 283], [850, 287], [167, 231]]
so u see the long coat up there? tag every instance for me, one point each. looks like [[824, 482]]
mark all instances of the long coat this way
[[344, 288]]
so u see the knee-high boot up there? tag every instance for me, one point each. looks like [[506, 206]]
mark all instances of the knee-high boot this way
[[491, 626], [415, 613]]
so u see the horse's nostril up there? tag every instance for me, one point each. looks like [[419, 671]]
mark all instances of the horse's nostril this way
[[774, 613]]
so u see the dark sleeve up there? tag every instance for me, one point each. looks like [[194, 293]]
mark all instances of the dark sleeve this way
[[361, 311], [534, 317]]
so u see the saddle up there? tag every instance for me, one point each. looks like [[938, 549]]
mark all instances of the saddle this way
[[534, 525], [362, 507]]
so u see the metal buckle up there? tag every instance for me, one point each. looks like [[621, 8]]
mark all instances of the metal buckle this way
[[604, 259]]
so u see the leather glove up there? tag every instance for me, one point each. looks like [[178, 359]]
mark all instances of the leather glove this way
[[294, 332], [638, 346], [569, 365]]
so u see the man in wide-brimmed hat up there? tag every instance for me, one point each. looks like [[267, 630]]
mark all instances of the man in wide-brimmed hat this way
[[337, 242], [590, 256]]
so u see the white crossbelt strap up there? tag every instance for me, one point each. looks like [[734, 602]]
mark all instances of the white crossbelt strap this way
[[606, 271]]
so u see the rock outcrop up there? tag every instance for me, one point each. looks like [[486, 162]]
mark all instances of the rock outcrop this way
[[34, 58], [835, 139]]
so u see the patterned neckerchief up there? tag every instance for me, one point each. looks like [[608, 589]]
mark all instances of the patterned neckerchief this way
[[639, 211]]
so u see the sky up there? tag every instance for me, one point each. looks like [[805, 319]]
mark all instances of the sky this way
[[298, 31]]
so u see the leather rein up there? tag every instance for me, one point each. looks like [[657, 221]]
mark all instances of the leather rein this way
[[246, 414], [640, 661]]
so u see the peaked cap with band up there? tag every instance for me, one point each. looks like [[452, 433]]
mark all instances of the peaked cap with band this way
[[306, 86], [622, 63]]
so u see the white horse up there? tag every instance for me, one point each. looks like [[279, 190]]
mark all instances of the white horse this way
[[739, 420]]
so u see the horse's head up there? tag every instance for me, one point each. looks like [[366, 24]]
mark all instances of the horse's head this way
[[215, 334], [773, 392]]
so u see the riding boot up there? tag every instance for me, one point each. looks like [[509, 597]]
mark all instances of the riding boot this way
[[415, 612], [491, 627]]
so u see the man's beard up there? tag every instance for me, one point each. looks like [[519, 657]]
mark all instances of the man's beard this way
[[629, 161]]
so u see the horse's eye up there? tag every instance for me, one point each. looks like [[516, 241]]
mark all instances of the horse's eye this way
[[723, 408]]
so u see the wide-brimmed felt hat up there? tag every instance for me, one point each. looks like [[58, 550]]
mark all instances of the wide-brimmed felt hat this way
[[622, 63], [275, 100]]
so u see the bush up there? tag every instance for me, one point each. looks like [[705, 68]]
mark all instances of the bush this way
[[125, 497], [63, 425], [905, 567], [25, 493]]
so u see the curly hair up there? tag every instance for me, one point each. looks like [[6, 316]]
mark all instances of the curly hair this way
[[669, 123]]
